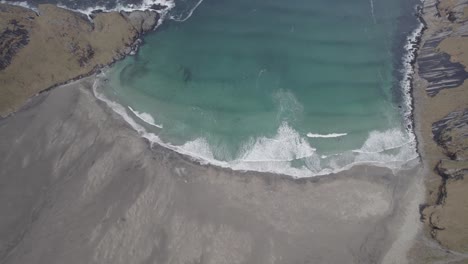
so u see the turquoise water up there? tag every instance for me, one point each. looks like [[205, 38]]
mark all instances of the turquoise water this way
[[298, 87]]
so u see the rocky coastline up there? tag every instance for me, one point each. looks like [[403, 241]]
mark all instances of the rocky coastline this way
[[41, 50], [441, 117], [88, 164]]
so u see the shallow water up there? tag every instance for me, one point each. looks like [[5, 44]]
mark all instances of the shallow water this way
[[299, 87]]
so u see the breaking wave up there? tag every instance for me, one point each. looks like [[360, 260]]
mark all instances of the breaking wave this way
[[411, 47], [160, 6], [145, 117], [332, 135], [19, 3], [166, 8], [287, 152]]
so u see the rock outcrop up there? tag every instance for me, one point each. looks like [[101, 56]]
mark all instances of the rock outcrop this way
[[435, 59], [437, 68], [44, 49], [451, 133], [441, 98]]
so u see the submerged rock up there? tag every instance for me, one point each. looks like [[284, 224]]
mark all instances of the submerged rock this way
[[186, 74]]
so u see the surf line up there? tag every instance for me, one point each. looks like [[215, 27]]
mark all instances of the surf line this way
[[332, 135], [145, 117]]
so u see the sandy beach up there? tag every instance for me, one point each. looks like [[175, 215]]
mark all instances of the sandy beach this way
[[79, 185], [88, 189]]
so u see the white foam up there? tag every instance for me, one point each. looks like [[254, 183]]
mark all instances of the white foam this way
[[411, 48], [377, 145], [19, 3], [392, 148], [88, 11], [189, 149], [264, 154], [332, 135], [119, 109], [380, 141], [145, 117], [276, 153], [145, 5], [286, 145], [199, 148], [189, 14]]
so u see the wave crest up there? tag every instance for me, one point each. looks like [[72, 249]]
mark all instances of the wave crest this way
[[288, 152], [145, 117], [332, 135], [286, 145]]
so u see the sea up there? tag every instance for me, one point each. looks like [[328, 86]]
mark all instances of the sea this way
[[295, 87]]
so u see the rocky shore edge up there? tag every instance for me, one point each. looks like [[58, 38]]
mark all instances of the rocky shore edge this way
[[44, 48], [440, 94], [73, 47]]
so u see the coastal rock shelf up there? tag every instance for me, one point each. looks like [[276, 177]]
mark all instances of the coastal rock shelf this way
[[442, 115], [436, 67], [451, 132], [41, 50], [453, 10], [79, 185]]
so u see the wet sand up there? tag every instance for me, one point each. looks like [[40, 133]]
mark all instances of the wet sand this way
[[78, 185]]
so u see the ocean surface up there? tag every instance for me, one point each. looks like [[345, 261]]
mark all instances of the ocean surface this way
[[298, 87]]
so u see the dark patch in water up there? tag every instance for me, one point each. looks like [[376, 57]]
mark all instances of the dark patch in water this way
[[131, 72], [186, 73], [157, 7]]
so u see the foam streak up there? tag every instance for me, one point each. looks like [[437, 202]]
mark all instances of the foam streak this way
[[332, 135]]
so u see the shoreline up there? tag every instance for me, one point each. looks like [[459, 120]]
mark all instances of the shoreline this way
[[54, 147], [154, 139], [407, 60], [413, 46], [195, 157], [406, 81], [147, 20], [366, 217], [444, 226]]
